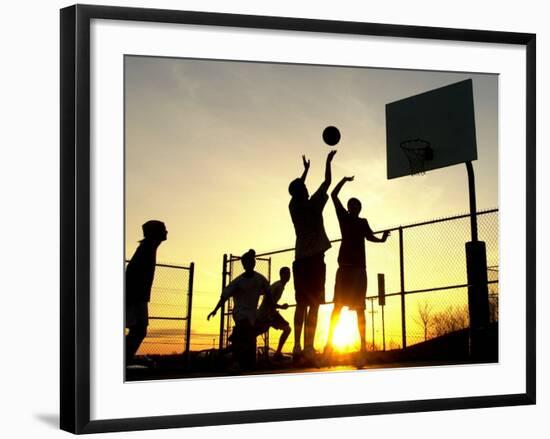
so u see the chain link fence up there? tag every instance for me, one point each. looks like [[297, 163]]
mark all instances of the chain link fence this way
[[424, 266], [170, 307]]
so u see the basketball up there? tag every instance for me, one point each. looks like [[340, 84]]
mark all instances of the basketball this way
[[331, 135]]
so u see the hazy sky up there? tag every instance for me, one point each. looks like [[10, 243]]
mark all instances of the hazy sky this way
[[211, 147]]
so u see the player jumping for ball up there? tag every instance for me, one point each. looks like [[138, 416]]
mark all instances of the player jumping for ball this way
[[351, 277], [309, 265], [269, 317]]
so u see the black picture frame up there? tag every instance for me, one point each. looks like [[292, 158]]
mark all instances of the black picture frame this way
[[75, 217]]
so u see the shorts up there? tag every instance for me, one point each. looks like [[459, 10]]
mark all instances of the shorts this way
[[277, 321], [350, 288], [137, 314], [309, 280]]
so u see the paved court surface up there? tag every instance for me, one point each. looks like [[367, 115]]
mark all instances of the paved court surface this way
[[144, 374]]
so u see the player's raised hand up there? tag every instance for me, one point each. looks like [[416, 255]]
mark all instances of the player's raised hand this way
[[212, 314], [346, 179], [306, 162], [331, 155]]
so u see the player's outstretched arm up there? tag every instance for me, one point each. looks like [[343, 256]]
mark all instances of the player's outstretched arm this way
[[334, 195], [370, 236], [306, 168], [328, 172], [228, 291], [218, 306], [338, 187]]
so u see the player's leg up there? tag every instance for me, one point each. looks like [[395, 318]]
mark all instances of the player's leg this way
[[138, 331], [299, 317], [311, 326], [135, 336], [316, 296], [279, 322], [236, 342], [244, 344], [361, 356], [361, 325], [250, 346], [282, 340], [299, 274], [339, 301], [310, 356], [361, 285]]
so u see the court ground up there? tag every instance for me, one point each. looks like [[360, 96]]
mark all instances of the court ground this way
[[450, 349], [159, 374]]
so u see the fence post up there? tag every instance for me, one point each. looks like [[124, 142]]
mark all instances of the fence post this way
[[222, 314], [402, 281], [372, 320], [189, 309], [383, 330], [266, 344]]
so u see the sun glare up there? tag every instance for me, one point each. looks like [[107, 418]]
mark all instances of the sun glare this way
[[346, 336]]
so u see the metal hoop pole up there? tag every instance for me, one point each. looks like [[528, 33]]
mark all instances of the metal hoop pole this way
[[222, 315], [472, 193], [402, 292], [189, 310]]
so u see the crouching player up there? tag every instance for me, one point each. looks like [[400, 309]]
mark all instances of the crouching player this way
[[269, 317]]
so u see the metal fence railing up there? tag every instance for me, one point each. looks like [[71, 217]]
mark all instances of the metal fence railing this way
[[170, 310], [425, 276]]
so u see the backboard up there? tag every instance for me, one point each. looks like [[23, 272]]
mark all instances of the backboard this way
[[440, 121]]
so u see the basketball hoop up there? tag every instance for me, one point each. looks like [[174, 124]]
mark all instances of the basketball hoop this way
[[418, 151]]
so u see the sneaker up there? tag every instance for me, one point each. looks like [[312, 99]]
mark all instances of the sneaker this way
[[329, 350], [149, 362], [297, 354], [234, 368], [310, 357], [143, 362], [361, 359], [327, 354]]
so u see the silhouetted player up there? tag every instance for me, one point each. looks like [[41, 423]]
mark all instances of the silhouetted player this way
[[269, 317], [309, 265], [246, 290], [351, 278], [140, 273]]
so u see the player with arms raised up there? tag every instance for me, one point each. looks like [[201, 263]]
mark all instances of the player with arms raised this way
[[309, 266], [351, 278]]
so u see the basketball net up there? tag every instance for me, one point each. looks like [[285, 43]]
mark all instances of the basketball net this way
[[418, 152]]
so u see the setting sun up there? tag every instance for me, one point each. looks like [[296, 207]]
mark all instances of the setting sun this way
[[346, 335]]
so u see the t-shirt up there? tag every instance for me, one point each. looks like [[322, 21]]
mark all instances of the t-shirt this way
[[246, 291], [267, 308], [140, 273], [354, 231], [307, 217]]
